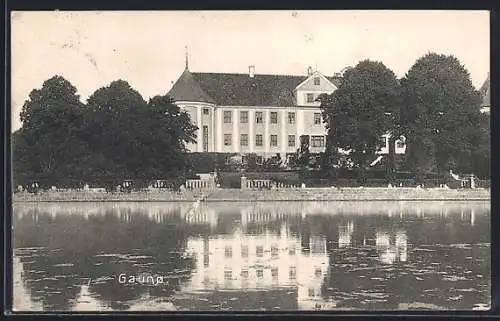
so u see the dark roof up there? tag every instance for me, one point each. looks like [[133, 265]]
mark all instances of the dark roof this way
[[238, 89], [188, 89], [485, 91]]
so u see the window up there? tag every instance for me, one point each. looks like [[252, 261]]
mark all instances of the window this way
[[258, 140], [259, 117], [291, 140], [317, 272], [291, 118], [259, 250], [400, 143], [244, 251], [274, 140], [260, 273], [228, 251], [316, 81], [309, 98], [244, 139], [317, 141], [205, 139], [292, 273], [244, 273], [243, 117], [311, 292], [205, 111], [227, 139], [382, 142], [274, 251], [317, 118], [228, 274], [274, 117], [274, 273], [227, 117]]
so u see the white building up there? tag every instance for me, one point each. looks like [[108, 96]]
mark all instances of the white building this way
[[257, 113]]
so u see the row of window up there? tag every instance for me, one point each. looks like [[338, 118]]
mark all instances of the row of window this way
[[259, 117], [292, 274], [316, 141], [259, 251]]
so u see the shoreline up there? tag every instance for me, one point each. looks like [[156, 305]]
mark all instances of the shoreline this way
[[281, 195]]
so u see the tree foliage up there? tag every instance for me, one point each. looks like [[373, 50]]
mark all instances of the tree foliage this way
[[302, 155], [49, 142], [115, 135], [360, 111], [440, 114]]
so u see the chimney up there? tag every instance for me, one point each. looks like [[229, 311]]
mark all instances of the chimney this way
[[251, 71], [309, 71]]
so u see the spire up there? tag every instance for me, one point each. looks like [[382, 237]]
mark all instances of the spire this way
[[187, 61]]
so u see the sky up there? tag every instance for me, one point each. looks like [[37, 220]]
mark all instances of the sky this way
[[148, 49]]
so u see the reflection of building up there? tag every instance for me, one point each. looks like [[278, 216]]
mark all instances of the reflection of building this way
[[252, 262], [345, 234], [391, 249], [86, 302], [468, 214]]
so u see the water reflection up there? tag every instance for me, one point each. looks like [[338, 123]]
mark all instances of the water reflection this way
[[251, 256], [391, 248]]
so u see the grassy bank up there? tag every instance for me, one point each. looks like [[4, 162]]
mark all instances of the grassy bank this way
[[230, 195]]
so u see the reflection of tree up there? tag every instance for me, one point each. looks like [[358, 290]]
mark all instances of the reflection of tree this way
[[131, 242]]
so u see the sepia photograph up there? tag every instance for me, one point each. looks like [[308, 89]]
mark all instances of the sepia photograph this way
[[204, 161]]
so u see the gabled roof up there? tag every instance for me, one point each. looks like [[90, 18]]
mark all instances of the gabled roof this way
[[485, 92], [228, 89]]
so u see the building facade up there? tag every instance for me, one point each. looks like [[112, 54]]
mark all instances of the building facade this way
[[256, 113], [486, 95]]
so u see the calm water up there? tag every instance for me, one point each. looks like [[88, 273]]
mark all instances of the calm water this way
[[251, 256]]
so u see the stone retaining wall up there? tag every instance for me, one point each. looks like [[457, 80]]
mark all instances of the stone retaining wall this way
[[351, 194], [171, 196], [299, 194]]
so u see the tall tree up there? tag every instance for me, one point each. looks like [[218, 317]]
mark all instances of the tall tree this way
[[481, 154], [361, 110], [440, 114], [140, 139], [171, 130], [49, 143], [114, 116]]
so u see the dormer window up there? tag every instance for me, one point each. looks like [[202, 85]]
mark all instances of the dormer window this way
[[316, 81]]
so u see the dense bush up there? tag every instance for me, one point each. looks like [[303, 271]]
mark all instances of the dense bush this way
[[229, 179], [273, 175]]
